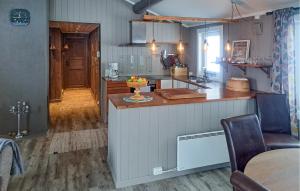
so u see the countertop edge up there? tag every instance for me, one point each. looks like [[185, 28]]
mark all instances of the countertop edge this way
[[189, 101]]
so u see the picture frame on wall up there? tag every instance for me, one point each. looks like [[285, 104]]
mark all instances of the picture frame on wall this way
[[240, 51]]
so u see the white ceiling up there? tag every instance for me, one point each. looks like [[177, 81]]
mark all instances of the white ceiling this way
[[218, 8]]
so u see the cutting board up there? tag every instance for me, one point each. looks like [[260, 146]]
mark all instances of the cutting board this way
[[179, 93]]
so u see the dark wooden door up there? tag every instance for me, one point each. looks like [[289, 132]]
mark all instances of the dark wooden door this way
[[75, 66]]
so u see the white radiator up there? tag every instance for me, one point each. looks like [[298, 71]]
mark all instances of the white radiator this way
[[199, 150]]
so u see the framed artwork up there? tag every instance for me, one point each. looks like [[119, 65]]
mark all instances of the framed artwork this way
[[240, 51]]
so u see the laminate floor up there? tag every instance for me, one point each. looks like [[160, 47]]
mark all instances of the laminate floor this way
[[87, 169]]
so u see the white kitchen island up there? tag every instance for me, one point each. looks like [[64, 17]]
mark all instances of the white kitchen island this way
[[143, 136]]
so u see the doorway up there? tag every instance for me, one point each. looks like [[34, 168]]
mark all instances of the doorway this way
[[76, 61], [74, 75]]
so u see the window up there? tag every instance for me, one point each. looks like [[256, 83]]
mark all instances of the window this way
[[209, 59]]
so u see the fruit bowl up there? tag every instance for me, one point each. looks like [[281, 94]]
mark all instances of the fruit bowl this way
[[137, 83]]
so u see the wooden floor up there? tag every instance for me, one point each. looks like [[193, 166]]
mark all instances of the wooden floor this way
[[77, 111], [86, 169]]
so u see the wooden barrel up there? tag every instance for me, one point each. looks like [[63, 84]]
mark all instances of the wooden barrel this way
[[238, 85]]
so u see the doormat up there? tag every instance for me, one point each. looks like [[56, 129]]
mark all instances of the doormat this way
[[78, 140]]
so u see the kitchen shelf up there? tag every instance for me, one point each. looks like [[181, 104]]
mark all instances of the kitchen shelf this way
[[265, 68]]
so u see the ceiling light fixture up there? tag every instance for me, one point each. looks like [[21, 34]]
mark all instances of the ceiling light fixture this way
[[180, 46], [153, 43], [205, 45], [228, 44]]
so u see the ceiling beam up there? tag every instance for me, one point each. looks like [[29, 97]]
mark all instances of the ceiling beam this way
[[141, 6], [186, 19]]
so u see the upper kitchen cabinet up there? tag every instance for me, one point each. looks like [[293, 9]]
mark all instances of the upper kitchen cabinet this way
[[143, 32], [163, 32]]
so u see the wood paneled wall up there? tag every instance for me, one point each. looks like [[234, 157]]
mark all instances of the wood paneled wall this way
[[114, 17], [94, 66], [55, 65]]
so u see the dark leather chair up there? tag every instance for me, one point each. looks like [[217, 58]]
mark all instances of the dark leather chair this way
[[244, 139], [273, 113], [241, 182]]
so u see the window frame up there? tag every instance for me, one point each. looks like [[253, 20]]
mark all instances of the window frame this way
[[201, 57], [297, 60]]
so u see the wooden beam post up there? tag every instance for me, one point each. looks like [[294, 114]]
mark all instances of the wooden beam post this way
[[186, 19]]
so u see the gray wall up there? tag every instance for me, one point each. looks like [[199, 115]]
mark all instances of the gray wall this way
[[261, 46], [24, 64], [114, 17]]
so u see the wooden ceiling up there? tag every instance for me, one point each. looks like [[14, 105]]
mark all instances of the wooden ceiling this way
[[70, 27]]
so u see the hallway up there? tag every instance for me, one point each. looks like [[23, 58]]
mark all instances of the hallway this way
[[77, 111]]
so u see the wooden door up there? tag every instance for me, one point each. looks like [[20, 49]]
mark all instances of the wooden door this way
[[75, 65]]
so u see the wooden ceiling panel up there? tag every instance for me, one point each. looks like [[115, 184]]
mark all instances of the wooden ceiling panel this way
[[70, 27]]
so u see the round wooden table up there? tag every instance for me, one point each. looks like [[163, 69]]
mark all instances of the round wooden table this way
[[277, 170]]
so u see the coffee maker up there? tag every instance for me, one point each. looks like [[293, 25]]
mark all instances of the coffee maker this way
[[113, 70]]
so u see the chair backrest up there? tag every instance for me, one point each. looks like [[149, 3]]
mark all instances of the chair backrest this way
[[273, 113], [241, 182], [244, 139]]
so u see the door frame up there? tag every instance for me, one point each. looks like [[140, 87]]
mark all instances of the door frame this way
[[99, 62]]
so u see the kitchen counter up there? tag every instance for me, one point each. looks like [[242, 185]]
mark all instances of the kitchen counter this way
[[144, 136], [216, 93]]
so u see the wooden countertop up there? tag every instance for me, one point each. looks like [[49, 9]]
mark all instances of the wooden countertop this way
[[216, 93]]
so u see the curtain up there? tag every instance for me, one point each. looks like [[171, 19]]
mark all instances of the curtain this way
[[283, 78]]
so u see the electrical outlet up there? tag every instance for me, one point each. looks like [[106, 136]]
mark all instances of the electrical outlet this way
[[157, 171]]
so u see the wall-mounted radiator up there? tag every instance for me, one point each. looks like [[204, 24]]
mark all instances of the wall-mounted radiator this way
[[199, 150]]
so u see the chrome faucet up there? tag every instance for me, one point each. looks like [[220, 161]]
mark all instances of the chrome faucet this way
[[205, 75]]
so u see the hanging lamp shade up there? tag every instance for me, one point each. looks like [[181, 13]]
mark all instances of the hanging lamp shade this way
[[180, 46], [205, 45], [52, 47], [228, 46], [153, 46], [66, 46]]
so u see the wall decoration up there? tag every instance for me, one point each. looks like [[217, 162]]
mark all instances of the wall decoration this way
[[19, 17], [240, 51]]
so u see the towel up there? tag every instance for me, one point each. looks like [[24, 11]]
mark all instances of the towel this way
[[17, 163]]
